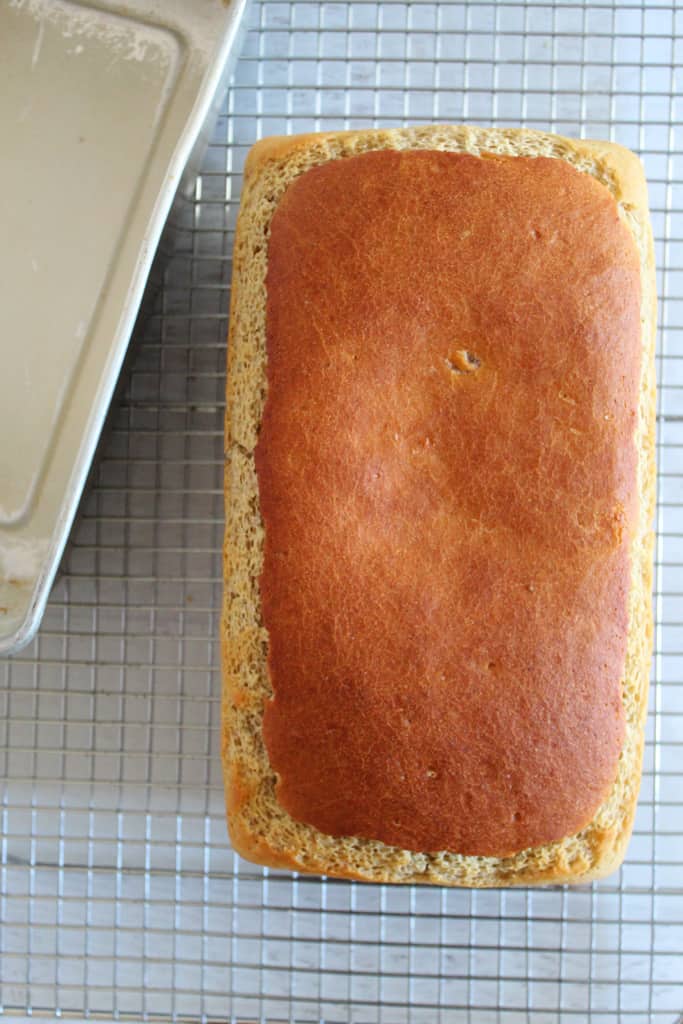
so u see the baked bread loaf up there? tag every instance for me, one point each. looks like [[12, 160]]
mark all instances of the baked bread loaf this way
[[439, 492]]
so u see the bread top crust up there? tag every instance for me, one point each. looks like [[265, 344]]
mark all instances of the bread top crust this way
[[447, 478]]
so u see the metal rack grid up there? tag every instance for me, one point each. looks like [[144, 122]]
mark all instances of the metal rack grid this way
[[119, 895]]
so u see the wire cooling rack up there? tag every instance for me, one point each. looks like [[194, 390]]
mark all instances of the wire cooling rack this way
[[119, 895]]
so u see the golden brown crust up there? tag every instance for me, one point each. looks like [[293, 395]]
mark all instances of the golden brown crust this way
[[447, 476], [261, 830]]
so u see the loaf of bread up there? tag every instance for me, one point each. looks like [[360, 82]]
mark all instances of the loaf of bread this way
[[439, 494]]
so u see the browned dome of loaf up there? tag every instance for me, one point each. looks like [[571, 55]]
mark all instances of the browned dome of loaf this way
[[447, 479], [261, 827]]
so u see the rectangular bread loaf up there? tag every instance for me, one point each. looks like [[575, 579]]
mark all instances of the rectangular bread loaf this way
[[439, 492]]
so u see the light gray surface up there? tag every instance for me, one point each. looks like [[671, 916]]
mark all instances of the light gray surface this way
[[61, 176], [119, 892]]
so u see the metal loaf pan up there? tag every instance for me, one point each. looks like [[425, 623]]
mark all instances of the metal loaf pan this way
[[106, 108]]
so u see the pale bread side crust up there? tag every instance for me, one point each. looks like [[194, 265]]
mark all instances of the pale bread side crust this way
[[260, 830]]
